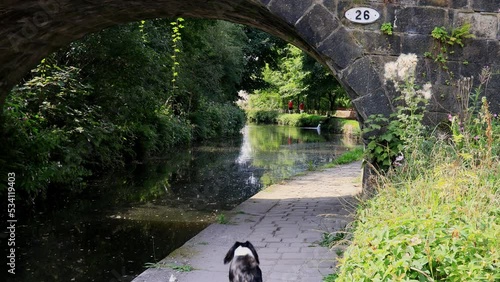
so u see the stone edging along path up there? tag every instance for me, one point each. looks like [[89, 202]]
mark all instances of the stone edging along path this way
[[284, 222]]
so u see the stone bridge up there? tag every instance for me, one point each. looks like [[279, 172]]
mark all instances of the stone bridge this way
[[355, 53]]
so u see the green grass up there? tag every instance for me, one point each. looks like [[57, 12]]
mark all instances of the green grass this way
[[437, 218], [349, 126], [436, 213], [221, 219], [180, 268], [331, 239], [350, 156], [330, 277]]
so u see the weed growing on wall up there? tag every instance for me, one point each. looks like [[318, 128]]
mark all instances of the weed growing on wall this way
[[386, 28], [445, 40]]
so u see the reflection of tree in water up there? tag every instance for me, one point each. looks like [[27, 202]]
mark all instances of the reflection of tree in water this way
[[285, 151], [215, 180], [83, 248], [221, 176], [218, 175]]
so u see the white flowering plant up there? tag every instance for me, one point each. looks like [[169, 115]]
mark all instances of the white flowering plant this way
[[403, 128]]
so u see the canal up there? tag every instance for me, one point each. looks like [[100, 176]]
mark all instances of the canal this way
[[125, 219]]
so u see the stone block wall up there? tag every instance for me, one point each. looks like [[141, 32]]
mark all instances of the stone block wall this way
[[355, 53]]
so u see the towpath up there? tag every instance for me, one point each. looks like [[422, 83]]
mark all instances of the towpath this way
[[285, 222]]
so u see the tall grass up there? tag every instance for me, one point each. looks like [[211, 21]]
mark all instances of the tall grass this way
[[436, 214], [442, 223]]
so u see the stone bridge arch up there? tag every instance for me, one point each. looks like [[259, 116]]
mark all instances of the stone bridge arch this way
[[355, 53]]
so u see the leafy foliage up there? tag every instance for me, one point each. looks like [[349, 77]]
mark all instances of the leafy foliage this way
[[385, 140], [435, 217], [217, 120], [261, 49], [324, 92], [393, 137], [386, 28], [300, 120], [445, 40], [176, 39], [262, 116], [293, 75], [119, 96], [456, 36]]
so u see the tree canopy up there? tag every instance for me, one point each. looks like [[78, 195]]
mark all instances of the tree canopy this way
[[137, 90]]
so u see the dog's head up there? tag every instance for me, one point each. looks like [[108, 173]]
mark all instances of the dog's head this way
[[241, 249]]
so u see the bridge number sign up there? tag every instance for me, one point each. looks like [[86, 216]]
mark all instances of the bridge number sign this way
[[362, 15]]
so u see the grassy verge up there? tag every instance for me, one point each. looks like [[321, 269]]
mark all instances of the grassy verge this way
[[438, 222], [436, 213], [349, 126], [443, 225], [356, 154], [299, 119]]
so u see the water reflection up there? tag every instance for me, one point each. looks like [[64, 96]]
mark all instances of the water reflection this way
[[127, 218], [284, 151]]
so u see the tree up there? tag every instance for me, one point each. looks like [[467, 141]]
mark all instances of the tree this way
[[261, 49], [100, 102], [298, 77], [288, 78], [324, 91]]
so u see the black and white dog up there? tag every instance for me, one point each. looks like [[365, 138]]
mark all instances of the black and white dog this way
[[244, 265]]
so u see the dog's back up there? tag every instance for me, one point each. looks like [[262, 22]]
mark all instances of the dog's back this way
[[245, 269]]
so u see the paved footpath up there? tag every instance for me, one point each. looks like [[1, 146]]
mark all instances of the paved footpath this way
[[284, 222]]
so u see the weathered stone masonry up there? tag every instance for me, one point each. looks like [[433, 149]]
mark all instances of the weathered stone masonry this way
[[356, 54]]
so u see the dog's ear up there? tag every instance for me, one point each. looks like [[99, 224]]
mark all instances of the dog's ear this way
[[252, 249], [230, 253]]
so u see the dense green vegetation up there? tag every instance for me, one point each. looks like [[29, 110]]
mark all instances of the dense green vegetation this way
[[298, 77], [124, 94], [435, 216], [135, 91]]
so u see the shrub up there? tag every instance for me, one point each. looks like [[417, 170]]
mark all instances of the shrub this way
[[299, 120], [262, 116], [217, 120], [38, 132]]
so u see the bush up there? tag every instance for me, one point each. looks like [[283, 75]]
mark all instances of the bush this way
[[443, 225], [262, 116], [38, 132], [217, 120]]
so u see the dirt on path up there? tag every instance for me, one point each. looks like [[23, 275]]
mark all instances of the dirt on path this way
[[285, 222]]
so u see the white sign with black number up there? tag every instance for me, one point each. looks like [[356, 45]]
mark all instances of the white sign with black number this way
[[362, 15]]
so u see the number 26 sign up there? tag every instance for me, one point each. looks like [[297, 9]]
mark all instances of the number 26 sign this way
[[362, 15]]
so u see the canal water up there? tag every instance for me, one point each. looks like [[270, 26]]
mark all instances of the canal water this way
[[124, 220]]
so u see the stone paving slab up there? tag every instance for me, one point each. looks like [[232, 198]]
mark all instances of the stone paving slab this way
[[284, 222]]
